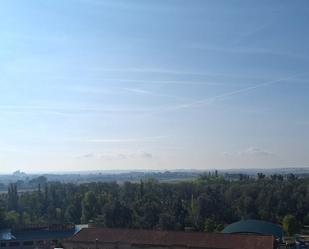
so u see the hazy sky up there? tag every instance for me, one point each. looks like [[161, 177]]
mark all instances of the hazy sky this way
[[161, 84]]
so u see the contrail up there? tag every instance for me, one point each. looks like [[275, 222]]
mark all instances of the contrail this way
[[225, 95]]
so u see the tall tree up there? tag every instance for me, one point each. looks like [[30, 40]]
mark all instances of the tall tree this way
[[12, 197], [89, 207], [290, 224], [2, 213]]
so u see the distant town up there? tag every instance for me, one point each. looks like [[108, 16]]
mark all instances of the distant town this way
[[28, 181]]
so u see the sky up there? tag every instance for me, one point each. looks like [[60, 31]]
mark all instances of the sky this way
[[161, 84]]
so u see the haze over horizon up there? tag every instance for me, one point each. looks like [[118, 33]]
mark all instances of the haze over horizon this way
[[164, 84]]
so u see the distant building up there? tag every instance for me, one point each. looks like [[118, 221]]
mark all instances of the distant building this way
[[35, 237], [255, 227], [105, 238]]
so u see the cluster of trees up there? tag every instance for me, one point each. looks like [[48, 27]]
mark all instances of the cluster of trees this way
[[207, 203]]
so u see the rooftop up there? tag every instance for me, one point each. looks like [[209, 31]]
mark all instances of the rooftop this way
[[39, 233], [256, 227], [173, 238]]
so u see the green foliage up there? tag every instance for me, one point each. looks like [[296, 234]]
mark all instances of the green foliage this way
[[209, 225], [73, 210], [12, 197], [89, 207], [26, 219], [2, 213], [12, 218], [261, 176], [167, 221], [290, 224], [117, 215], [203, 204], [306, 220]]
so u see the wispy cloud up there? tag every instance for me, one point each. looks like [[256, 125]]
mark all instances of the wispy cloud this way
[[251, 152], [223, 96], [122, 140], [138, 91], [64, 110], [250, 33], [127, 5], [237, 45], [59, 110], [83, 88], [170, 82], [150, 70], [256, 151], [117, 90], [88, 155], [248, 50], [145, 81], [154, 94], [118, 156]]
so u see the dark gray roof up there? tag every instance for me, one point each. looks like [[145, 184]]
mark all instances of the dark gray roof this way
[[255, 226], [40, 234]]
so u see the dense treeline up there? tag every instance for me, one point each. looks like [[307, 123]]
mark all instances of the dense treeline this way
[[207, 203]]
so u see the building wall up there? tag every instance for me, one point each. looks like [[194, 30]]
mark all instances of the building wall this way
[[97, 245], [29, 244], [93, 245]]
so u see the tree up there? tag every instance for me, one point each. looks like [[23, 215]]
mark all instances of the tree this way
[[117, 215], [89, 207], [2, 214], [306, 219], [25, 217], [12, 197], [12, 218], [73, 210], [166, 221], [261, 176], [151, 211], [192, 218], [290, 224], [204, 203], [210, 204], [209, 225]]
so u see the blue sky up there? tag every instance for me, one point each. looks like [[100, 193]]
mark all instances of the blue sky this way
[[162, 84]]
